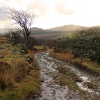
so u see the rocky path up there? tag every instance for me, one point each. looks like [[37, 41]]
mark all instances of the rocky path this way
[[52, 90]]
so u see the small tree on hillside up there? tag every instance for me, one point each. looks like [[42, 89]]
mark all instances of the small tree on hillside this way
[[23, 19], [14, 36]]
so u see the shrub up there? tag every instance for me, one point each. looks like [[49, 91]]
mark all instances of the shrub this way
[[82, 45]]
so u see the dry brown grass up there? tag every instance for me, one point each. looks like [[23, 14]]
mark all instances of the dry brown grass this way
[[7, 75], [84, 63], [31, 54], [19, 78], [38, 48], [11, 57], [3, 40]]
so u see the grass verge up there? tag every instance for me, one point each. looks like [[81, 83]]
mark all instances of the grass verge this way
[[82, 63]]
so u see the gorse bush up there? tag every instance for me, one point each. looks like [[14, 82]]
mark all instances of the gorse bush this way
[[87, 48], [86, 45], [63, 44]]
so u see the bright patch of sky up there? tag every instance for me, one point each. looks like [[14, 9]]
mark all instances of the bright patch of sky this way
[[52, 13]]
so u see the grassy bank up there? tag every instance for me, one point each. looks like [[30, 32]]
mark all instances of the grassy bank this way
[[19, 77], [82, 63]]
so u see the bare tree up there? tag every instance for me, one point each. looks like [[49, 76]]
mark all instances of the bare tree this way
[[23, 19]]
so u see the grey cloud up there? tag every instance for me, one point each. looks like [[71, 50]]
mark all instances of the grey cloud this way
[[62, 8]]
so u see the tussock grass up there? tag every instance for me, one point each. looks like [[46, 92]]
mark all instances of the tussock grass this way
[[19, 80], [21, 71], [7, 75]]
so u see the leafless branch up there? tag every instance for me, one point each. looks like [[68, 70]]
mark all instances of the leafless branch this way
[[22, 18]]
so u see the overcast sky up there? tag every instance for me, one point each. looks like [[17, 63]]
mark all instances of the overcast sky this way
[[52, 13]]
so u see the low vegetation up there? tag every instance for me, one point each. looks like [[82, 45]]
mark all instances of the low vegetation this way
[[19, 72], [83, 48]]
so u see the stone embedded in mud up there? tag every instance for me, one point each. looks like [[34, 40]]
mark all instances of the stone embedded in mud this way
[[1, 56], [28, 58], [79, 80]]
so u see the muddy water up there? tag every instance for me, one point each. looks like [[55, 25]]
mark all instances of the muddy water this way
[[52, 90]]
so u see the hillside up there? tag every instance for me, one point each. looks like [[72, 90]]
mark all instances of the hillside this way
[[46, 34], [67, 28], [54, 32], [36, 30]]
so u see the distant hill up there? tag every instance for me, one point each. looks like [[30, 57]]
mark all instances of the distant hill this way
[[36, 30], [54, 32], [46, 34], [67, 28]]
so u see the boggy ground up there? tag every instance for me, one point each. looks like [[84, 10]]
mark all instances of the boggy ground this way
[[63, 82], [19, 76], [90, 76]]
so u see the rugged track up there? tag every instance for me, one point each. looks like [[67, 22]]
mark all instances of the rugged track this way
[[54, 91]]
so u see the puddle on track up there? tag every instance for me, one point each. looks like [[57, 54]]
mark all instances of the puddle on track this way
[[52, 90]]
